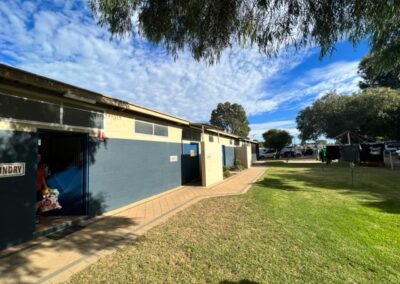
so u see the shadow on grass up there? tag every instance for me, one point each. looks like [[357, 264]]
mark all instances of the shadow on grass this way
[[25, 260], [376, 187], [280, 184], [389, 206]]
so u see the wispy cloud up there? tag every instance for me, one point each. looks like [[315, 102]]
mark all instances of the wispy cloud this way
[[340, 76], [63, 41], [66, 44], [259, 128]]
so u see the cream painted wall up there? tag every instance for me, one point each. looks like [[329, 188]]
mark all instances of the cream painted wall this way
[[222, 140], [248, 154], [117, 125], [226, 141], [211, 162]]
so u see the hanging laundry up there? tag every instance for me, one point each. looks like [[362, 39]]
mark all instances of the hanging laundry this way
[[332, 152], [375, 151], [350, 153], [372, 153]]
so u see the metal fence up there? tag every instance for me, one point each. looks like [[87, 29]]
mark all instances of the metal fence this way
[[392, 160]]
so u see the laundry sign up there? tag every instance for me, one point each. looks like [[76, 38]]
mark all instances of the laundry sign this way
[[12, 169], [173, 159]]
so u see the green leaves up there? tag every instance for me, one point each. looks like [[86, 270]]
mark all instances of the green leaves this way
[[276, 139], [207, 27], [374, 112], [231, 118], [381, 69]]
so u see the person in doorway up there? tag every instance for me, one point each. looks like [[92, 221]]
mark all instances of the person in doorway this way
[[40, 182]]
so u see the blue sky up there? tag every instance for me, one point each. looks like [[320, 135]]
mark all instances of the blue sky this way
[[61, 40]]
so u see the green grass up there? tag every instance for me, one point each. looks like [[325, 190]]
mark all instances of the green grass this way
[[300, 223]]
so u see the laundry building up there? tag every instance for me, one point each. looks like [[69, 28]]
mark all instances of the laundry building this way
[[100, 153]]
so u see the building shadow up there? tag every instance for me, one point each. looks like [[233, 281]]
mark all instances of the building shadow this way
[[23, 261], [109, 233], [280, 184]]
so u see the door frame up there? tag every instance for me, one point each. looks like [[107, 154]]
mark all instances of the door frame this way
[[223, 155], [85, 159], [198, 173]]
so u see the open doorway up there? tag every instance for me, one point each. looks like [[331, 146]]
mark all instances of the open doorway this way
[[64, 159], [190, 164]]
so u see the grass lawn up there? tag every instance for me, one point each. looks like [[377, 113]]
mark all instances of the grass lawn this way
[[299, 223]]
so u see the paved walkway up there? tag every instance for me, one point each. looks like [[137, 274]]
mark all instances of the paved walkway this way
[[44, 260]]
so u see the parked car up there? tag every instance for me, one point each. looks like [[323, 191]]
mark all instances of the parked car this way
[[268, 153], [290, 152], [392, 146], [308, 152]]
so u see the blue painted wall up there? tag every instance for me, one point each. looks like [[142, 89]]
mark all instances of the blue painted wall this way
[[17, 194], [124, 171], [119, 172]]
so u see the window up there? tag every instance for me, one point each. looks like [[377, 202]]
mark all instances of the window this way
[[143, 127], [160, 130], [149, 128], [82, 118], [12, 107], [210, 138], [237, 143], [24, 109], [230, 142], [191, 135]]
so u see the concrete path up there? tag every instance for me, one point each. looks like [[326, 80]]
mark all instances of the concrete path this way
[[44, 260]]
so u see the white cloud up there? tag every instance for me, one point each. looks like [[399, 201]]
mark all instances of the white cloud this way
[[56, 43], [341, 76], [258, 129], [65, 43]]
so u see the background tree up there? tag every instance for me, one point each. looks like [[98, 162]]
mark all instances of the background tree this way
[[207, 27], [277, 139], [376, 74], [373, 112], [231, 118]]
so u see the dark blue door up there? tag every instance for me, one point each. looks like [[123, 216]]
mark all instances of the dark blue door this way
[[65, 156], [223, 156], [190, 162]]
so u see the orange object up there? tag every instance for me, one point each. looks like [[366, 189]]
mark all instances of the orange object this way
[[39, 177], [45, 191]]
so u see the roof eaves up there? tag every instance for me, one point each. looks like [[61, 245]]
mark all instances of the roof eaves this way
[[27, 78], [216, 129]]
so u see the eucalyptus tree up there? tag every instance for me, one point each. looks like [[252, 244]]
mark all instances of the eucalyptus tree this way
[[207, 27]]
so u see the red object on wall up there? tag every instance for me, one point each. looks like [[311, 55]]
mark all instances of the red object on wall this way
[[100, 135]]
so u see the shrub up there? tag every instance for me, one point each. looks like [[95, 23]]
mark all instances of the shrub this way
[[226, 171], [238, 165]]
